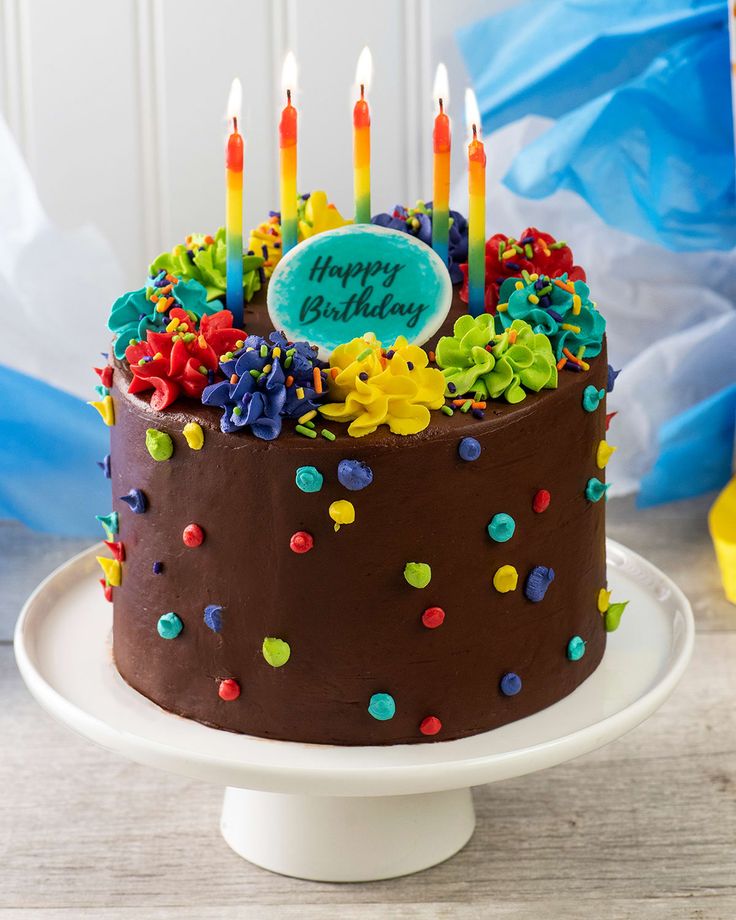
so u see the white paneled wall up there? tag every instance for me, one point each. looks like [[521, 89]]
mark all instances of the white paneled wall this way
[[118, 106]]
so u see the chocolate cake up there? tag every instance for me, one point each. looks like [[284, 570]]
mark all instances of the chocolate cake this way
[[311, 585]]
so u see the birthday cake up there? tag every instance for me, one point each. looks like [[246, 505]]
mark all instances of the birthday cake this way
[[358, 514]]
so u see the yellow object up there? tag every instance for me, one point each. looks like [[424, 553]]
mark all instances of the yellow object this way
[[342, 512], [106, 409], [603, 454], [505, 579], [112, 570], [194, 435], [604, 600], [722, 525]]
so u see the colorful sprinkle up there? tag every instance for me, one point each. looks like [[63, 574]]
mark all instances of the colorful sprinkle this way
[[169, 626], [276, 652], [576, 648], [110, 523], [469, 449], [541, 501], [510, 684], [505, 579], [309, 479], [193, 435], [433, 617], [305, 432], [354, 474], [228, 690], [382, 707], [417, 574], [604, 600], [159, 444], [301, 542], [592, 398], [595, 489], [537, 582], [327, 434], [135, 500], [213, 617], [446, 410], [193, 535], [603, 454], [342, 512], [502, 527], [613, 616], [431, 725]]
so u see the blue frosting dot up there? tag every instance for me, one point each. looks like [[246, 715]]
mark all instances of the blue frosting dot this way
[[309, 479], [382, 706], [354, 474], [213, 617], [501, 528], [135, 500], [169, 626], [469, 449], [575, 648], [537, 582], [510, 684]]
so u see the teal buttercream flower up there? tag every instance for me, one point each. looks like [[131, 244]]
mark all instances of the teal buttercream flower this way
[[477, 360], [203, 258], [557, 307], [136, 313]]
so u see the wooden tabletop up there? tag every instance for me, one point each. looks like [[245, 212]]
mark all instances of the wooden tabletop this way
[[645, 828]]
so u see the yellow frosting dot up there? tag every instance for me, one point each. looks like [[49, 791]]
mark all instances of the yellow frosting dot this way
[[106, 409], [603, 454], [194, 435], [342, 512], [112, 570], [604, 599], [505, 579]]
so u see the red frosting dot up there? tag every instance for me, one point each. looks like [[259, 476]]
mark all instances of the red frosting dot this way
[[433, 617], [301, 541], [106, 589], [541, 501], [229, 689], [193, 535], [430, 726]]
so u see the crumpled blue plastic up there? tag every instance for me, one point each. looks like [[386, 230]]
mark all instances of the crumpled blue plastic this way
[[641, 89], [50, 443], [695, 451]]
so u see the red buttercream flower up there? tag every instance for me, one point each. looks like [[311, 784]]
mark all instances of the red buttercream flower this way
[[548, 257], [181, 359]]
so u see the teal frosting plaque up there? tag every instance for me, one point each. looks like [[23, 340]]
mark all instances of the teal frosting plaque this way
[[340, 284]]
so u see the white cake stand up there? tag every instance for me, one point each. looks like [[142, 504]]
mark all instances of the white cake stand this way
[[340, 813]]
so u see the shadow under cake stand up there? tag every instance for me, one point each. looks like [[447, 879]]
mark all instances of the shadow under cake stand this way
[[347, 813]]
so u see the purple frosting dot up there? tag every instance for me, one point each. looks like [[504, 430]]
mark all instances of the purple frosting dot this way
[[158, 568]]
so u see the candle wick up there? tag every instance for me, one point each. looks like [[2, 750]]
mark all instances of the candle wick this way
[[362, 90], [235, 124], [441, 106], [475, 133], [288, 97]]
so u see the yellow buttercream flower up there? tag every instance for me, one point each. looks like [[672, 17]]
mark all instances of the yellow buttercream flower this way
[[320, 215], [373, 387]]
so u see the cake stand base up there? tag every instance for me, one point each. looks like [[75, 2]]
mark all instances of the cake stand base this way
[[346, 838], [342, 814]]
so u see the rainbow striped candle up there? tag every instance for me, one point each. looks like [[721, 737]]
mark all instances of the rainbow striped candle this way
[[362, 142], [476, 211], [441, 169], [287, 149], [234, 210]]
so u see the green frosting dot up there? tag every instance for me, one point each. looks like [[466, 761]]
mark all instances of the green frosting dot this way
[[276, 651], [501, 528], [613, 616], [575, 648], [169, 626], [159, 444], [418, 574], [595, 489]]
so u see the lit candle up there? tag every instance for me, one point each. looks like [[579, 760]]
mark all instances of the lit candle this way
[[234, 209], [441, 167], [287, 147], [476, 210], [362, 141]]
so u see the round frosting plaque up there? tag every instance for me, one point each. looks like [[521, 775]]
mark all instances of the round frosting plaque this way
[[346, 282]]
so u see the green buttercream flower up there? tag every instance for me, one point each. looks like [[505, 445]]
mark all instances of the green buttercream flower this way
[[476, 360], [203, 258]]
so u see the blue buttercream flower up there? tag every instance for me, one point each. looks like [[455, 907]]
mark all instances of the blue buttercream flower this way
[[266, 381], [560, 309], [418, 222], [134, 314]]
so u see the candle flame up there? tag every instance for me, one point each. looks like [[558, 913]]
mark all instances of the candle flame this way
[[288, 75], [364, 71], [472, 113], [441, 91], [234, 102]]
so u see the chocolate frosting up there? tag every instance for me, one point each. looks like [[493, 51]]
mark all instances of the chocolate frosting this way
[[352, 621]]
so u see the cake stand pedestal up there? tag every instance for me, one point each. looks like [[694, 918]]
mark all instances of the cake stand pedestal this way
[[347, 813]]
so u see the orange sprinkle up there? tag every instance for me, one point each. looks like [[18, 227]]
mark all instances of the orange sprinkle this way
[[289, 381], [154, 298], [458, 402], [209, 240], [202, 341], [172, 278], [317, 380], [166, 290], [565, 285], [431, 356], [234, 378], [334, 371], [512, 336], [478, 405], [571, 357], [561, 363]]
